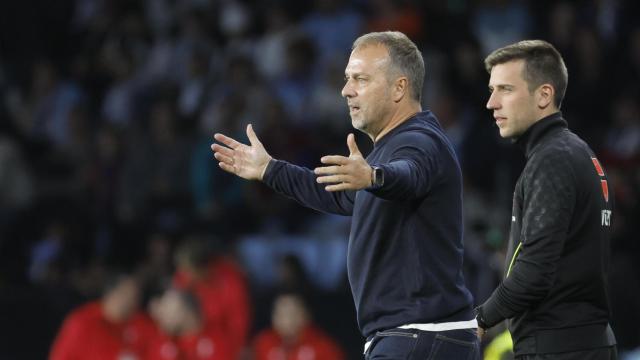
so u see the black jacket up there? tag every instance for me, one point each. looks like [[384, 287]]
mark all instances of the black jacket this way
[[555, 286]]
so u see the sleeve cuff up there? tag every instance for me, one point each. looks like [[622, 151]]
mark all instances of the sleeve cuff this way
[[488, 314], [269, 170]]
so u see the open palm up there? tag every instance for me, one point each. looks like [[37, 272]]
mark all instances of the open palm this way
[[246, 161]]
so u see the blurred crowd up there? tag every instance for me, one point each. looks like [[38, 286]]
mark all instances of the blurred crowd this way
[[109, 193]]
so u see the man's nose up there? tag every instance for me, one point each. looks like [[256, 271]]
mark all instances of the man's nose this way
[[492, 103], [347, 90]]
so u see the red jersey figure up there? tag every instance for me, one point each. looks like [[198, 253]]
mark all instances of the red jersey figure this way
[[293, 336], [108, 329], [183, 334], [221, 289]]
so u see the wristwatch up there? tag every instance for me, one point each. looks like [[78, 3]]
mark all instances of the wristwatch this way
[[377, 177]]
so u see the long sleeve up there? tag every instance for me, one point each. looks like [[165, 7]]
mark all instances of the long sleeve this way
[[412, 168], [549, 190], [300, 184]]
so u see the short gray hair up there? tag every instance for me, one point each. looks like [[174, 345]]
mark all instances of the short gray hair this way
[[405, 58], [543, 65]]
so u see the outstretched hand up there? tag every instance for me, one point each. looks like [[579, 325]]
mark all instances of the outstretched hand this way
[[345, 173], [247, 161]]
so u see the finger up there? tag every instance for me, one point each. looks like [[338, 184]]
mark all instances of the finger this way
[[253, 138], [228, 168], [329, 170], [223, 158], [227, 141], [222, 149], [353, 147], [338, 187], [335, 159], [331, 179]]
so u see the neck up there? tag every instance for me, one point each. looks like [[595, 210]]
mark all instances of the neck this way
[[403, 114], [110, 313], [550, 110], [192, 325]]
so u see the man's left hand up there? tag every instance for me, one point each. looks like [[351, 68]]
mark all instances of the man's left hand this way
[[345, 173], [481, 333]]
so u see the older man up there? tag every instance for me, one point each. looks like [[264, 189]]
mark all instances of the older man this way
[[405, 199]]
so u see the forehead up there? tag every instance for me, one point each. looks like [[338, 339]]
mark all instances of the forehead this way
[[507, 73], [368, 58]]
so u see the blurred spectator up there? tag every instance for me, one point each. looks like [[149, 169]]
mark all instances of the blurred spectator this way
[[193, 88], [328, 107], [45, 254], [235, 19], [105, 171], [110, 328], [192, 37], [588, 79], [238, 97], [53, 103], [293, 335], [296, 85], [17, 188], [562, 25], [184, 335], [157, 264], [497, 23], [397, 15], [332, 25], [622, 141], [631, 65], [219, 286], [119, 104], [155, 171], [271, 47]]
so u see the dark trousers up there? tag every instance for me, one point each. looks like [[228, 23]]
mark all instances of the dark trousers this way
[[607, 353], [401, 344]]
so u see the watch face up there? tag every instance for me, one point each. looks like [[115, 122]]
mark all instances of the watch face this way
[[378, 177]]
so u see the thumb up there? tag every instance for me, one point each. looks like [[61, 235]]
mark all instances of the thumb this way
[[253, 138], [353, 147]]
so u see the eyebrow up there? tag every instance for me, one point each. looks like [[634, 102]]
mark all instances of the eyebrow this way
[[501, 86], [354, 74]]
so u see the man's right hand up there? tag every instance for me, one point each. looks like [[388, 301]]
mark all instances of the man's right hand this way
[[248, 162]]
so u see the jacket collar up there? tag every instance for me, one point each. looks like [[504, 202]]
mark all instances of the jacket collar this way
[[536, 132]]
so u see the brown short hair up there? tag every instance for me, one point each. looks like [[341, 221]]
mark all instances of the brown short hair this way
[[543, 65], [405, 57]]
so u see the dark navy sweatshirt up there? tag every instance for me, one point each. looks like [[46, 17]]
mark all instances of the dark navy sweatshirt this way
[[405, 247]]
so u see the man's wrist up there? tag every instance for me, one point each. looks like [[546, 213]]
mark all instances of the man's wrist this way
[[371, 172], [264, 170], [480, 318]]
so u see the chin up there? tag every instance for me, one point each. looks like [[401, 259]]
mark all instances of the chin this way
[[505, 133], [357, 124]]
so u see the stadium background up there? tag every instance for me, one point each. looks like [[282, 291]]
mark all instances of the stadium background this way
[[108, 107]]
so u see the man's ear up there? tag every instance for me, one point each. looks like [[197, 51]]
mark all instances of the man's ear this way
[[545, 95], [400, 89]]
